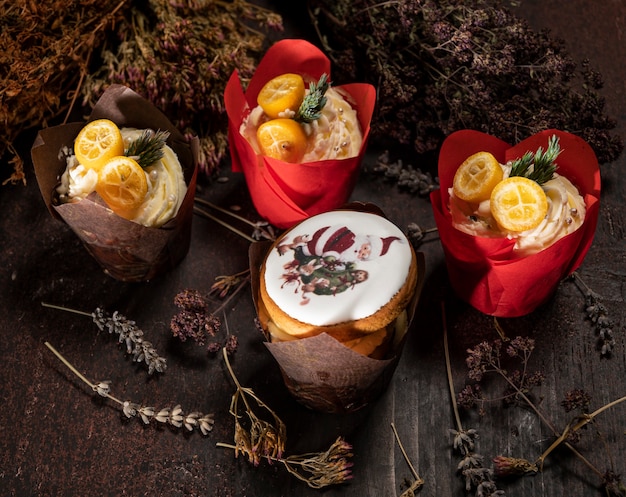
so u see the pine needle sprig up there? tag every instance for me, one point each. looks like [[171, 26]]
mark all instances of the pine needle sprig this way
[[311, 107], [148, 148], [540, 166]]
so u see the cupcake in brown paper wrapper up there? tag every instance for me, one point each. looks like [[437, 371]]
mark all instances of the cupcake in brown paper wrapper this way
[[125, 250], [337, 340]]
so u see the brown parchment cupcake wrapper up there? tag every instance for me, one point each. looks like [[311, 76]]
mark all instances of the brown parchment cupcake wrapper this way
[[321, 372], [125, 250]]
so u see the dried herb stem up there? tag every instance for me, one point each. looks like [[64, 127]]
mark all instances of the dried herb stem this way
[[71, 367], [418, 481], [262, 230], [210, 216], [470, 467], [455, 407], [576, 425], [66, 309], [172, 416], [267, 440]]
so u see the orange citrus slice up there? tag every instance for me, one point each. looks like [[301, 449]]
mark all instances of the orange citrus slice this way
[[97, 142], [281, 93], [282, 139], [518, 204], [123, 185], [476, 177]]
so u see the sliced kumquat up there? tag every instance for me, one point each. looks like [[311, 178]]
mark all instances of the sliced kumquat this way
[[97, 142], [281, 93], [282, 139], [123, 185], [518, 204], [476, 177]]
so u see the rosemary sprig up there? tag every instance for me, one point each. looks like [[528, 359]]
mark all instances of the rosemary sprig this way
[[148, 148], [311, 107], [539, 167]]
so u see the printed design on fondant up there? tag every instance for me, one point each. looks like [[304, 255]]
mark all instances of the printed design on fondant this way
[[327, 263]]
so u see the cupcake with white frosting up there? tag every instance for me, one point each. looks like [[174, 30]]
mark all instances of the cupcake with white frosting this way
[[134, 238]]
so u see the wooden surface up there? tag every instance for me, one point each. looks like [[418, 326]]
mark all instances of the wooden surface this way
[[58, 438]]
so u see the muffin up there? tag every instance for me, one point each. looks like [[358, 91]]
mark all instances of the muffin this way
[[131, 242], [514, 221], [298, 158], [154, 199], [335, 296], [345, 273]]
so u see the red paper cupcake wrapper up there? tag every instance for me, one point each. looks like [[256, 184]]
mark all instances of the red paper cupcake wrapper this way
[[284, 193], [484, 271]]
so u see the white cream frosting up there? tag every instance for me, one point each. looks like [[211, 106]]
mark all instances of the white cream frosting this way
[[318, 253], [166, 184], [566, 213], [335, 135]]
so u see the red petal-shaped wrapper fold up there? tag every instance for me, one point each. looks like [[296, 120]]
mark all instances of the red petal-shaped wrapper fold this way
[[485, 271], [284, 193]]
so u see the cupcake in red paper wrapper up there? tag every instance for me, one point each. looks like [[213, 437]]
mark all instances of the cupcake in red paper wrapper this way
[[124, 182], [335, 295], [298, 139], [514, 221]]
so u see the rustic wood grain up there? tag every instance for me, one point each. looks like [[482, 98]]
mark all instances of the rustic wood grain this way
[[58, 439]]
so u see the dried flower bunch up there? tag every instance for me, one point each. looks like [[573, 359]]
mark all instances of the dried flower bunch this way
[[486, 358], [174, 416], [445, 65], [257, 439], [179, 55], [45, 50], [196, 321], [128, 334]]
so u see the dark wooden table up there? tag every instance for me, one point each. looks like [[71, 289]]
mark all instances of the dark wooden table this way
[[58, 438]]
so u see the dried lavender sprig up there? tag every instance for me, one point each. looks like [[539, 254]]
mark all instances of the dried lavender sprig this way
[[172, 416], [598, 314], [406, 176], [128, 334], [470, 467]]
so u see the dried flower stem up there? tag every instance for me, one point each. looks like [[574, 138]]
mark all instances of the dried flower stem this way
[[546, 421], [172, 416], [455, 407], [470, 467], [418, 482], [573, 427], [262, 230], [210, 216], [267, 440]]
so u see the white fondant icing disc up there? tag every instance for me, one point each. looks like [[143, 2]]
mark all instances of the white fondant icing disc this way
[[337, 266]]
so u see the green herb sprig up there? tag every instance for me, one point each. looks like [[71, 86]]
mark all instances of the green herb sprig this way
[[148, 148], [311, 107], [540, 166]]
